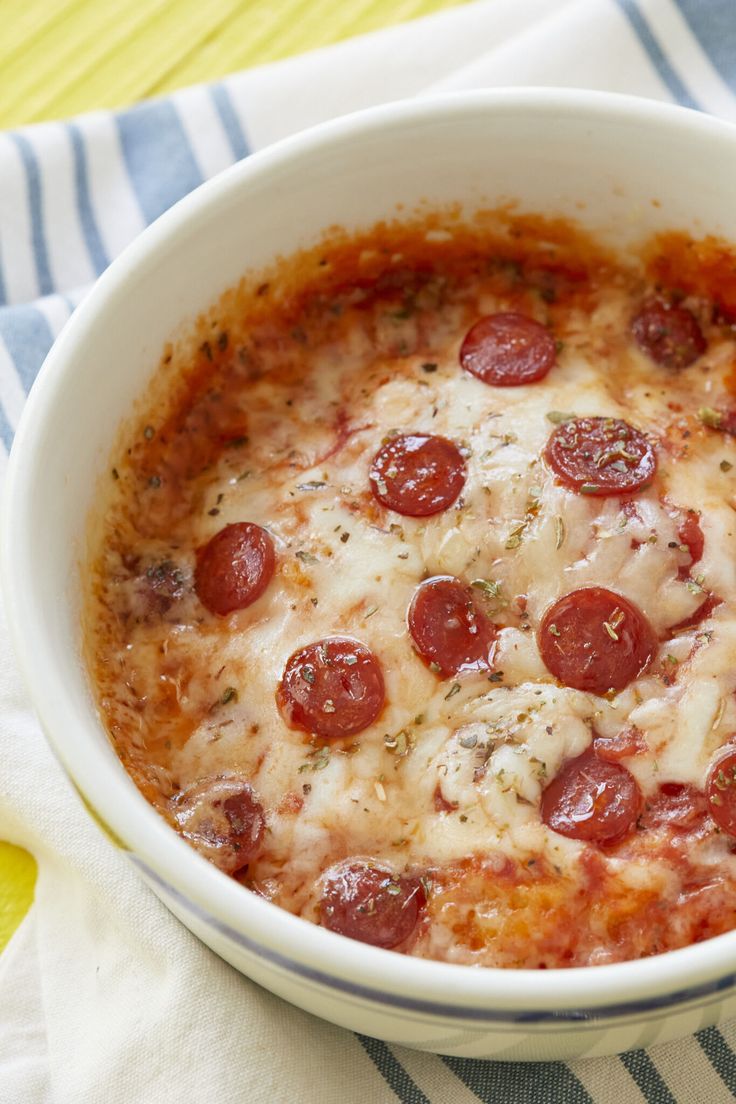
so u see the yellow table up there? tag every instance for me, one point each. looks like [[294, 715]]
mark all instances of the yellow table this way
[[62, 57]]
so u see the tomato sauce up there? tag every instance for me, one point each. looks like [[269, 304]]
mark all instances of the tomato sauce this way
[[413, 606]]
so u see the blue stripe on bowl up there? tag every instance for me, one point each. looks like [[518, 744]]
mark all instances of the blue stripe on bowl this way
[[574, 1018]]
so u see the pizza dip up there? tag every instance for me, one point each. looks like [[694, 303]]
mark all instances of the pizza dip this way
[[411, 603]]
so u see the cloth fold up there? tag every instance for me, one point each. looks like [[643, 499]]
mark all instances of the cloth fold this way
[[104, 996]]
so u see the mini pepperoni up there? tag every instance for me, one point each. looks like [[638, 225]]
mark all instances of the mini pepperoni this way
[[508, 349], [601, 456], [234, 568], [720, 790], [675, 805], [668, 334], [591, 799], [448, 627], [332, 688], [222, 819], [366, 902], [594, 639], [417, 475]]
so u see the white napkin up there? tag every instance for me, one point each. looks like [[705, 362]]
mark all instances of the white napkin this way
[[104, 997]]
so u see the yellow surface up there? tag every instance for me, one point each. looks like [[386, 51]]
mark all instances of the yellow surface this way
[[17, 882], [62, 57]]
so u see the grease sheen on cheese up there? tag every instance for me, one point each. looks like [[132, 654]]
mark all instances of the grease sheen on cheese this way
[[293, 405]]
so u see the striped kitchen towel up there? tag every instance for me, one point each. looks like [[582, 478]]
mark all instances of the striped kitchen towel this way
[[103, 996]]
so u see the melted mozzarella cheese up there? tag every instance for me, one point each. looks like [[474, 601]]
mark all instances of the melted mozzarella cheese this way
[[347, 566]]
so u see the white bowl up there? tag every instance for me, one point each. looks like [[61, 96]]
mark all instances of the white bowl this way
[[623, 167]]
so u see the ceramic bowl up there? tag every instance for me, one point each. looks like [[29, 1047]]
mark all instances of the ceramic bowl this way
[[624, 168]]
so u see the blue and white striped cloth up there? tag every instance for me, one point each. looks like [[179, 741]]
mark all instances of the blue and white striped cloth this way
[[72, 195]]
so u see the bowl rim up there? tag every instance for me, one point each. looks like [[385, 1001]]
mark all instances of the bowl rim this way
[[287, 941]]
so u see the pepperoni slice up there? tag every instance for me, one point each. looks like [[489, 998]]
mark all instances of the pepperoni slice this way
[[222, 819], [417, 475], [234, 568], [601, 456], [508, 349], [448, 627], [591, 799], [332, 688], [365, 902], [720, 790], [675, 805], [668, 334], [594, 639]]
